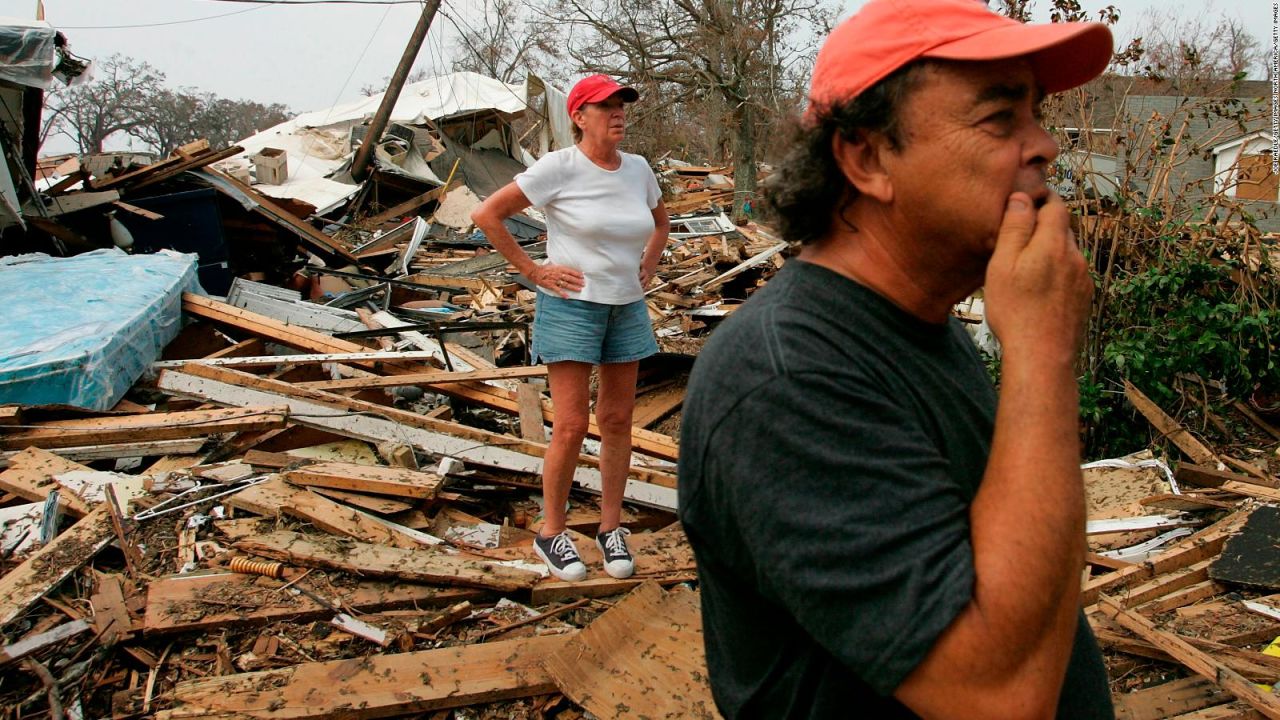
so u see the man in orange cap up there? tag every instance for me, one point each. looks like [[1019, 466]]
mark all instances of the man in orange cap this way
[[879, 533]]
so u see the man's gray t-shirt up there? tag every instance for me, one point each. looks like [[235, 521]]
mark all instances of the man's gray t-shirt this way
[[831, 446]]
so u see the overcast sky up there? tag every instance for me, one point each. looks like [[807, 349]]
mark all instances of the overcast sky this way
[[314, 56]]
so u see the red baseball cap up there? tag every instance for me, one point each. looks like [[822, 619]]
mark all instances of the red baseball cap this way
[[887, 34], [595, 88]]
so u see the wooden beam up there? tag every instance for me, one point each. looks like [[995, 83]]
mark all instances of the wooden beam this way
[[364, 358], [1203, 545], [378, 423], [1170, 428], [423, 564], [36, 643], [409, 205], [31, 475], [143, 428], [177, 604], [429, 378], [188, 163], [529, 401], [653, 406], [1194, 659], [375, 686], [375, 479], [88, 453], [1172, 698], [275, 496], [50, 565]]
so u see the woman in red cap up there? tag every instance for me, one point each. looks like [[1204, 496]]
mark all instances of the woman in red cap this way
[[606, 230]]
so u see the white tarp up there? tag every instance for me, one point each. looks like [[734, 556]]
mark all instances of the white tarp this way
[[27, 52], [317, 142]]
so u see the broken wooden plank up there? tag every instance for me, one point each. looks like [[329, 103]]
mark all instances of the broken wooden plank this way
[[653, 406], [256, 361], [145, 427], [409, 205], [178, 604], [423, 564], [430, 378], [33, 473], [377, 423], [372, 503], [51, 564], [1203, 545], [275, 496], [10, 415], [36, 643], [1172, 698], [1202, 476], [1170, 428], [398, 482], [89, 453], [376, 686], [529, 400], [111, 618], [643, 658], [1194, 659]]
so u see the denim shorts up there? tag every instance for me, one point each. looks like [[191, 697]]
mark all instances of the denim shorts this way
[[590, 332]]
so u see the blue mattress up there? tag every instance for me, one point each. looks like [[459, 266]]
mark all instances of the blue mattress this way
[[81, 330]]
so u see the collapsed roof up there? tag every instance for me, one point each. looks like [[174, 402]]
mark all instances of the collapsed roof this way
[[454, 112]]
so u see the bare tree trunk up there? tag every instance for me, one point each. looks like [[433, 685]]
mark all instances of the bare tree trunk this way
[[744, 160]]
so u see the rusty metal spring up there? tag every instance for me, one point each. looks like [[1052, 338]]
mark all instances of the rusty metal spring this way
[[256, 567]]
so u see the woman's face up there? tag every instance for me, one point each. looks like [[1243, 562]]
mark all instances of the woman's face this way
[[603, 121]]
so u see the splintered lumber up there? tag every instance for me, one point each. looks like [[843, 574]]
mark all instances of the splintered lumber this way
[[178, 604], [1165, 584], [529, 399], [1195, 660], [301, 359], [144, 427], [1172, 698], [375, 479], [111, 451], [653, 406], [423, 564], [51, 564], [376, 686], [409, 205], [36, 643], [497, 398], [372, 503], [643, 658], [1256, 666], [1232, 482], [1204, 545], [377, 423], [274, 495], [10, 415], [32, 474], [1170, 428], [430, 378]]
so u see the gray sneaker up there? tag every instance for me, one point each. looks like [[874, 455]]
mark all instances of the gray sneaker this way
[[617, 558], [561, 557]]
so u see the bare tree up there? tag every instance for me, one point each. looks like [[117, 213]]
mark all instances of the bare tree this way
[[168, 119], [371, 89], [504, 43], [116, 101], [224, 122], [750, 54], [1194, 53]]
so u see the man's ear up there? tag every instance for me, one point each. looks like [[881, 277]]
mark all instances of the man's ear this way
[[859, 161]]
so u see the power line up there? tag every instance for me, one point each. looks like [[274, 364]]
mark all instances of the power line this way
[[159, 24]]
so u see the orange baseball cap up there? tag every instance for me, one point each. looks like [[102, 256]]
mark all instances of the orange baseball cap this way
[[595, 88], [887, 34]]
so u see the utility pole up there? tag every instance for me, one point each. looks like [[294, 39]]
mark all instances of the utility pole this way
[[364, 156]]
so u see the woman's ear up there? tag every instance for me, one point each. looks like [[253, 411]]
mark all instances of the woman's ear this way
[[859, 159]]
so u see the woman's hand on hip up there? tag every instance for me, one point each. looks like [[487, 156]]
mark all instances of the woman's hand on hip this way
[[559, 279]]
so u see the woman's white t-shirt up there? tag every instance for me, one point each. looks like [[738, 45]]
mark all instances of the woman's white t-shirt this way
[[598, 220]]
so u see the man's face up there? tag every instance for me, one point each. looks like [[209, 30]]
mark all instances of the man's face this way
[[971, 136]]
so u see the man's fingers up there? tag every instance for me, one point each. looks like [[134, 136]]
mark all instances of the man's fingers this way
[[1018, 223]]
